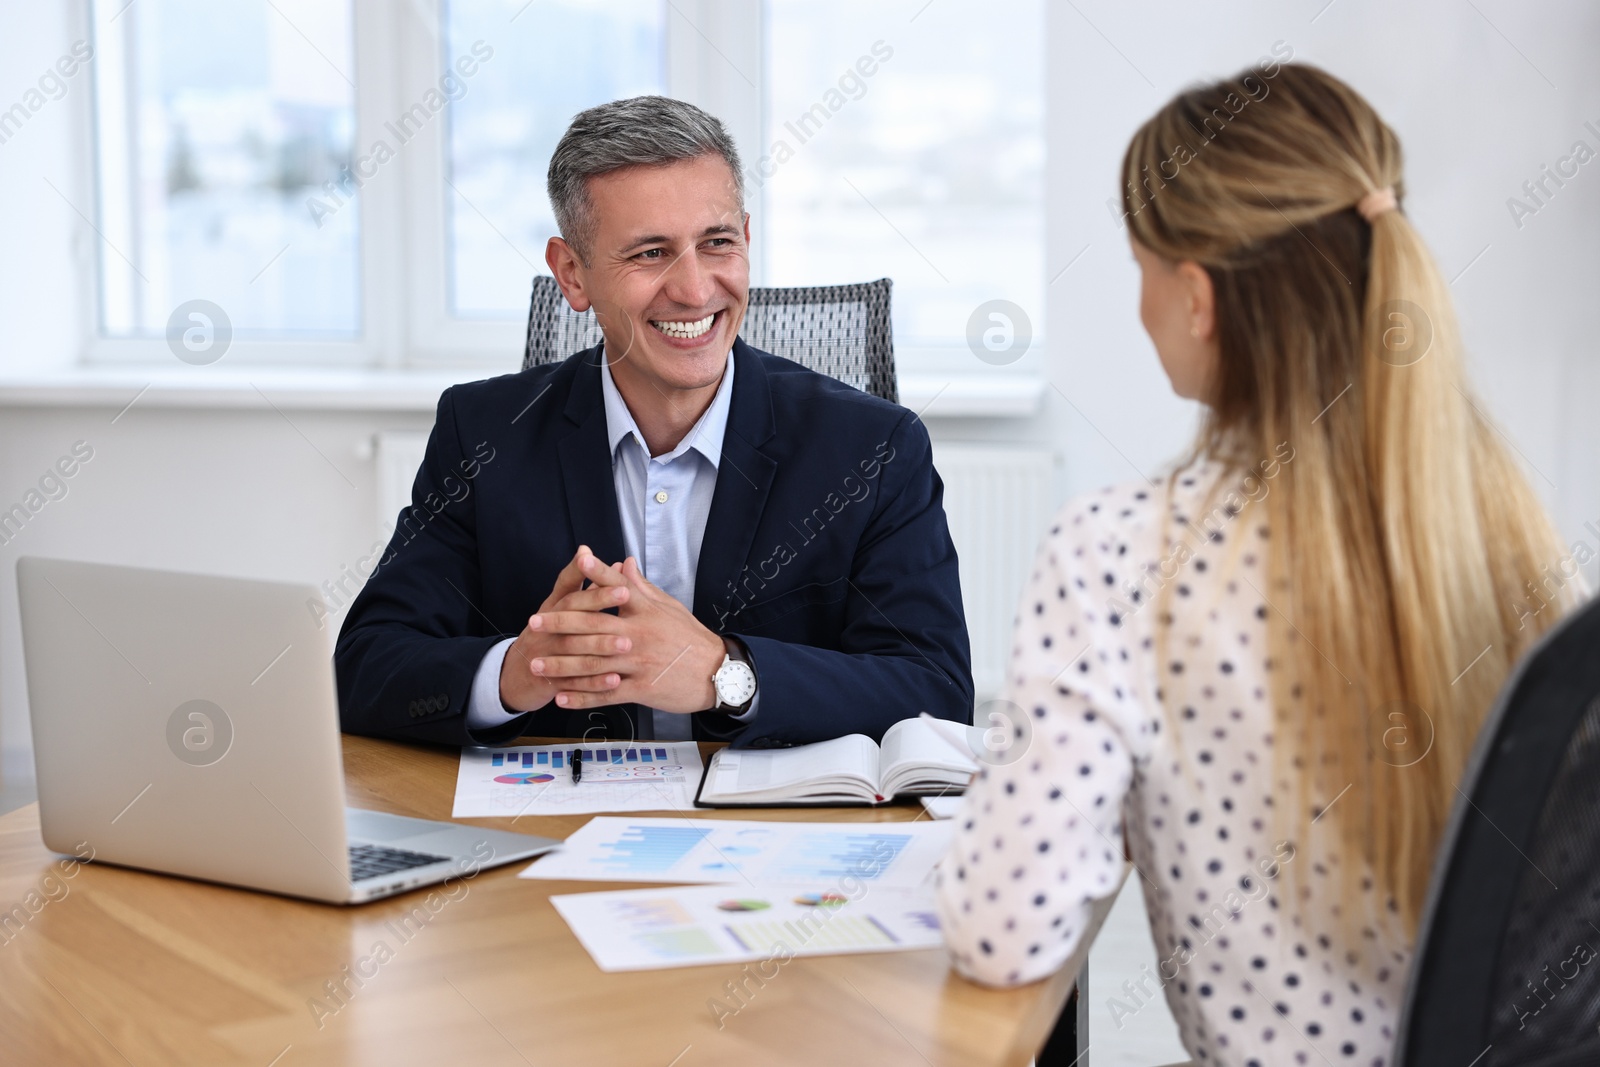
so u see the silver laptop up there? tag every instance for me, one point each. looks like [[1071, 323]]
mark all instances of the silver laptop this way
[[188, 724]]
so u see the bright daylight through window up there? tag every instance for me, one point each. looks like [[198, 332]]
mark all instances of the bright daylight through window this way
[[216, 127]]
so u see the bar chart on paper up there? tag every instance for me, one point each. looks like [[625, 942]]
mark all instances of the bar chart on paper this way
[[649, 850], [832, 855], [746, 852], [537, 779]]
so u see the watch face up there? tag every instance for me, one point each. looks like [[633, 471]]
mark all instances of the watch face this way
[[736, 683]]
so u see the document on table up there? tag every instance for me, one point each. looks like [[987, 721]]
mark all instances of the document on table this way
[[537, 779], [942, 807], [747, 853], [649, 929]]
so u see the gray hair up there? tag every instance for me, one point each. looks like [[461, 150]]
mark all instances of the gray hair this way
[[644, 131]]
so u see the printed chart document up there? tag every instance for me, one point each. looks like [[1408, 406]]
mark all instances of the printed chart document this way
[[648, 929], [745, 853], [537, 779], [913, 758]]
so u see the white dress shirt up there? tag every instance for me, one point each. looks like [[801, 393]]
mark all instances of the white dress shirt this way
[[663, 502]]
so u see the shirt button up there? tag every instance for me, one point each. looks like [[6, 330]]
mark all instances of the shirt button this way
[[661, 497]]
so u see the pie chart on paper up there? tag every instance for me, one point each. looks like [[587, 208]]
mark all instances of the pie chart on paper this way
[[527, 778], [743, 905]]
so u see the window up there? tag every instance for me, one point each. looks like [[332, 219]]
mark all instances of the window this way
[[906, 140], [363, 183], [504, 129], [216, 126]]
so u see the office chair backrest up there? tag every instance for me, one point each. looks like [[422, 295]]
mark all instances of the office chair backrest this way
[[1507, 965], [838, 330]]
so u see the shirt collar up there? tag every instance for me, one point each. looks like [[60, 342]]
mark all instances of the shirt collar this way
[[705, 437]]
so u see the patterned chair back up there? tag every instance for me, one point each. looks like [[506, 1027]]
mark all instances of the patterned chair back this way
[[838, 330]]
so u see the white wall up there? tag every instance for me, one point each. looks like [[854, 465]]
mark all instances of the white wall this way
[[227, 492], [1477, 120]]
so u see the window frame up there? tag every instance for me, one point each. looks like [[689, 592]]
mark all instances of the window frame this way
[[715, 54], [376, 346], [701, 35], [406, 321]]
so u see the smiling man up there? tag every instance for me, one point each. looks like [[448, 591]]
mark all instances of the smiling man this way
[[672, 534]]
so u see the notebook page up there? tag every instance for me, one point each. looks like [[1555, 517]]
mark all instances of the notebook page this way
[[745, 770], [916, 741]]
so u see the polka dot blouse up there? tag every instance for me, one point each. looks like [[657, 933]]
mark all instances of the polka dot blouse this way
[[1177, 757]]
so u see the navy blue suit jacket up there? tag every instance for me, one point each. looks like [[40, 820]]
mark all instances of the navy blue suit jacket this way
[[826, 551]]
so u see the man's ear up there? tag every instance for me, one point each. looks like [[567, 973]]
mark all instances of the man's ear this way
[[564, 264]]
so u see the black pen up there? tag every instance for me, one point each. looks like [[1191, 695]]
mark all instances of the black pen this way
[[577, 765]]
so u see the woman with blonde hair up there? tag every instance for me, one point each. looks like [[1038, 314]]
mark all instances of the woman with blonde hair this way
[[1262, 678]]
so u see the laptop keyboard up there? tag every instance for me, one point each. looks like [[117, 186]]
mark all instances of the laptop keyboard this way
[[372, 861]]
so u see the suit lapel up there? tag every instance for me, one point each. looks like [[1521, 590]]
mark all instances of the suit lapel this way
[[744, 478]]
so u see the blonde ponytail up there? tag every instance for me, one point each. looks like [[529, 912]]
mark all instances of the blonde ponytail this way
[[1402, 534]]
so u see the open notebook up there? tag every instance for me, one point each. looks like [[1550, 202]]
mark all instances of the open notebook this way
[[914, 758]]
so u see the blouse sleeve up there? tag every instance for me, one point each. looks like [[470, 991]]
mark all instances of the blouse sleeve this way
[[1039, 835]]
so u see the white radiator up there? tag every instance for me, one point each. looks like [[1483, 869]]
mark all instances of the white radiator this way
[[999, 501]]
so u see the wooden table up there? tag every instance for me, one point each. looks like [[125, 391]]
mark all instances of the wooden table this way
[[121, 967]]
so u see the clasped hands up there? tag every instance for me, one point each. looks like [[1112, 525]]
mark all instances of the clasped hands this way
[[652, 652]]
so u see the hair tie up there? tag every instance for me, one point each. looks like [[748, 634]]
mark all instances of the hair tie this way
[[1376, 203]]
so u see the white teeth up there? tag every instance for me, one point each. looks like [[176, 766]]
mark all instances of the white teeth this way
[[685, 330]]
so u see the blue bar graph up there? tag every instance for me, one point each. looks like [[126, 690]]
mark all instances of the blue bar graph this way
[[651, 849], [597, 756], [827, 855]]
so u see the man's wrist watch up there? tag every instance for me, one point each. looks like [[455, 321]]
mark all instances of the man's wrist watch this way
[[735, 680]]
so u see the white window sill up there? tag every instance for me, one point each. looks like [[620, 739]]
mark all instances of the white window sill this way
[[264, 388], [975, 396], [932, 395]]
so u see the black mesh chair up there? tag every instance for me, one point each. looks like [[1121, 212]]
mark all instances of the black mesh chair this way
[[1507, 967], [838, 330]]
